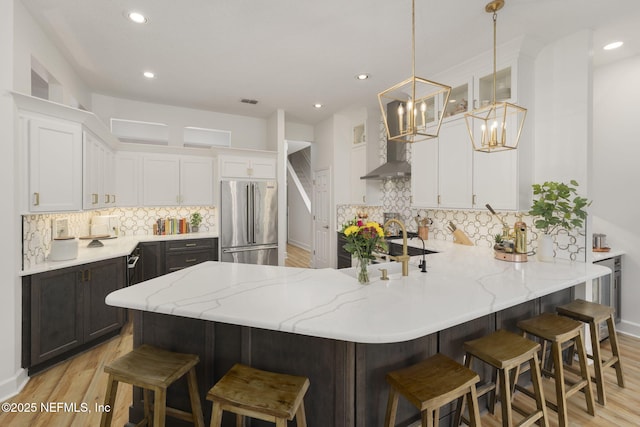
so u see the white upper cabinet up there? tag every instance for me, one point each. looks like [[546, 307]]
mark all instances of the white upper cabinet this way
[[169, 180], [98, 173], [455, 166], [462, 178], [247, 167], [495, 179], [160, 180], [424, 174], [128, 179], [358, 168], [196, 181], [54, 164]]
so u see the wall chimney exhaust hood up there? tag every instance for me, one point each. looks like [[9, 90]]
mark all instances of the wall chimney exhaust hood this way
[[396, 165]]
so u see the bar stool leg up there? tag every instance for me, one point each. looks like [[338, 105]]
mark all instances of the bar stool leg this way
[[281, 422], [239, 420], [582, 356], [109, 401], [559, 380], [427, 418], [505, 397], [301, 417], [597, 361], [159, 406], [613, 339], [146, 404], [474, 409], [194, 398], [536, 379], [216, 415], [392, 407]]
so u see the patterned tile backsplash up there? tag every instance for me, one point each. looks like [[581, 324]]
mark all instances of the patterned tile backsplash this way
[[480, 226], [37, 229]]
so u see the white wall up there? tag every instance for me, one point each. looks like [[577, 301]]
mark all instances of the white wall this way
[[563, 98], [563, 106], [246, 132], [616, 173], [299, 218], [30, 41], [12, 377]]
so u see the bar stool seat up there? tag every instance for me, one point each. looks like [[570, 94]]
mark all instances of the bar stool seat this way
[[268, 396], [506, 351], [594, 314], [430, 384], [154, 369], [559, 330]]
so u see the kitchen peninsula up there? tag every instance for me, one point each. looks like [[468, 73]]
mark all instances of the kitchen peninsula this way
[[342, 335]]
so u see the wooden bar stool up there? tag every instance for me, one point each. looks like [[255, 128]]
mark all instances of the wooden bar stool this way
[[430, 384], [560, 330], [155, 370], [506, 351], [264, 395], [594, 314]]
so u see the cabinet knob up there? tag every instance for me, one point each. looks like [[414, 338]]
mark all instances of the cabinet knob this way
[[94, 198], [36, 199]]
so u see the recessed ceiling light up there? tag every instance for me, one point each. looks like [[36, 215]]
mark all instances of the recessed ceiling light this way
[[317, 105], [363, 76], [612, 46], [149, 74], [137, 17]]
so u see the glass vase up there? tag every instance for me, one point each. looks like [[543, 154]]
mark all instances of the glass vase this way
[[363, 273]]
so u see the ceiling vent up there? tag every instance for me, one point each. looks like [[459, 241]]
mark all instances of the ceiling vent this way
[[249, 101]]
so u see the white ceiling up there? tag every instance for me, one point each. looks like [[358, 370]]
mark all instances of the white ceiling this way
[[290, 54]]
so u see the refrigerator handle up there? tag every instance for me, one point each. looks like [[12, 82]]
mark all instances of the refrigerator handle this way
[[253, 213], [249, 215]]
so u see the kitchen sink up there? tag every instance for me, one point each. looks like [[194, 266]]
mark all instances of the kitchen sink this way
[[396, 249]]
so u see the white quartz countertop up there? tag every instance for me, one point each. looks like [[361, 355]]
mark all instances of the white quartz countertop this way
[[462, 283], [599, 256], [113, 248]]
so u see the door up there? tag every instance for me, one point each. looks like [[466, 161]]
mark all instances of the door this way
[[265, 213], [56, 313], [234, 213], [196, 181], [55, 166], [321, 220], [160, 181], [455, 165], [101, 279]]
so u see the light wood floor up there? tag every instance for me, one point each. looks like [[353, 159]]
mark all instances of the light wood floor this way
[[82, 380], [297, 257]]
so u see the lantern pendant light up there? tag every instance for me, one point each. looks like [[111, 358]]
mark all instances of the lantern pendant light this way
[[498, 125], [411, 109]]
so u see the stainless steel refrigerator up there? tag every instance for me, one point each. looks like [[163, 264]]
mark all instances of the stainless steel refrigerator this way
[[249, 222]]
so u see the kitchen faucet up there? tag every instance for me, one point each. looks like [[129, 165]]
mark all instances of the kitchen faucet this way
[[423, 263], [404, 258]]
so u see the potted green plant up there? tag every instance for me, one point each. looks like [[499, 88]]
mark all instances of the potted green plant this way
[[195, 221], [556, 206]]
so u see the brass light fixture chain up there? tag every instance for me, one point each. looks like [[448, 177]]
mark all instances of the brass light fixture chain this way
[[495, 21]]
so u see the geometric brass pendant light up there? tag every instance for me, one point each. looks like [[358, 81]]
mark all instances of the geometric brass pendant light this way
[[411, 109], [496, 126]]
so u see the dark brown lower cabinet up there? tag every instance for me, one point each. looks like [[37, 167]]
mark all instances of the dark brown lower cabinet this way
[[158, 258], [64, 311]]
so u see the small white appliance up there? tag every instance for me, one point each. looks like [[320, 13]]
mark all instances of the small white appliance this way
[[105, 225], [63, 249]]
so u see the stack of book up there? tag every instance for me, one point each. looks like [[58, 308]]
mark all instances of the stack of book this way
[[165, 226]]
